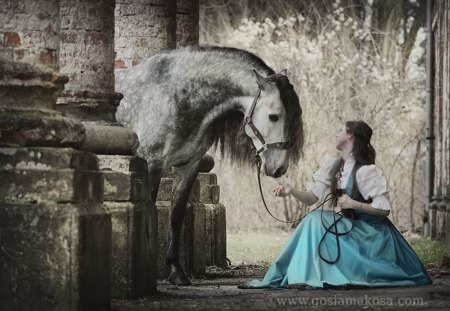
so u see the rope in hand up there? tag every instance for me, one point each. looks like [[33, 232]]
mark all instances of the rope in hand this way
[[328, 229], [267, 209], [335, 232]]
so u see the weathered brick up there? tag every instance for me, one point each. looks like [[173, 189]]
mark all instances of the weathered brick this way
[[11, 39], [119, 64], [210, 194], [49, 57]]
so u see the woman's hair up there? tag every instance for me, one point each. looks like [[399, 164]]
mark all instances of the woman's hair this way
[[363, 153]]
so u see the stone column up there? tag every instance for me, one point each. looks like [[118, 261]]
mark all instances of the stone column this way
[[143, 28], [187, 22], [87, 57], [55, 235]]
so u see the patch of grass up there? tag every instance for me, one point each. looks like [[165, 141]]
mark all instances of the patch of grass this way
[[430, 251], [255, 247]]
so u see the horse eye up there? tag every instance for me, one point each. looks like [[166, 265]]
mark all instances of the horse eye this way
[[273, 117]]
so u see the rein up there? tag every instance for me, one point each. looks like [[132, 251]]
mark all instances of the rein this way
[[284, 145]]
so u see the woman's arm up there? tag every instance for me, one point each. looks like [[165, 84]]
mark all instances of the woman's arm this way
[[306, 197], [346, 202]]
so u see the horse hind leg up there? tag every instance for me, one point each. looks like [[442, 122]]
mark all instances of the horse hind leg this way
[[184, 178]]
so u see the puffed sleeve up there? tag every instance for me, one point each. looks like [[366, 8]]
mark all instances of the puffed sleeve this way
[[322, 179], [373, 184]]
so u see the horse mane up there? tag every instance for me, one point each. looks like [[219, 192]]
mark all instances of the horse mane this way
[[228, 130]]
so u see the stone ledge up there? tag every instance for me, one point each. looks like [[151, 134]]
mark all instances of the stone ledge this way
[[36, 128], [35, 158], [125, 187], [35, 186], [122, 163]]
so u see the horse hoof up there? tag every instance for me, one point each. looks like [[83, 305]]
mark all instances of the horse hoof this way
[[180, 279]]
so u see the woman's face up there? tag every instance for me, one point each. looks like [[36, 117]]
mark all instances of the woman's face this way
[[342, 138]]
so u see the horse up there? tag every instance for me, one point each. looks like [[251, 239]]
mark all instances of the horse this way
[[182, 102]]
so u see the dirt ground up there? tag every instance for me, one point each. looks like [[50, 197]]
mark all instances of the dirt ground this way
[[218, 291]]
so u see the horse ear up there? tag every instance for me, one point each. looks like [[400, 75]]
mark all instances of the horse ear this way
[[283, 72], [262, 82]]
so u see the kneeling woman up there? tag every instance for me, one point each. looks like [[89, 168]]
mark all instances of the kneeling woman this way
[[358, 246]]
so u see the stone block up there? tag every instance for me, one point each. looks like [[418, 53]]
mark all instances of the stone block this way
[[120, 163], [124, 187], [134, 226], [165, 190], [207, 179], [134, 250], [55, 257], [210, 194], [34, 186], [194, 239], [163, 209], [215, 235], [55, 233]]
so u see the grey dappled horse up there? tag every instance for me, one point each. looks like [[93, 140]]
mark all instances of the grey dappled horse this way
[[182, 102]]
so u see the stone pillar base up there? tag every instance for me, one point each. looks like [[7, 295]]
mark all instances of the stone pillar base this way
[[55, 234], [134, 226]]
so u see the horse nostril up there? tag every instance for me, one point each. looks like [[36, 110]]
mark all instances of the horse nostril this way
[[279, 172]]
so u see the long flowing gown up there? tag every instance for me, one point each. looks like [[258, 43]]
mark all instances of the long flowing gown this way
[[373, 254]]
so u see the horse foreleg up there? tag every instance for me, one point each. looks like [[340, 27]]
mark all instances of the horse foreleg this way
[[182, 185]]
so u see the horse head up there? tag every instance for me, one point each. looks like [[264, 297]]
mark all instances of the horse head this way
[[276, 115]]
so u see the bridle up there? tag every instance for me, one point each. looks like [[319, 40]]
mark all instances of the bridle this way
[[248, 121]]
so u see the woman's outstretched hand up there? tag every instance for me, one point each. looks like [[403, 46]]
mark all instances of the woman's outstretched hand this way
[[282, 190]]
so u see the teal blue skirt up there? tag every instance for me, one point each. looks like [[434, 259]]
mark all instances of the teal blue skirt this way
[[374, 254]]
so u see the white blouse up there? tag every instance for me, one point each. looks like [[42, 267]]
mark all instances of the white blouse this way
[[369, 178]]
